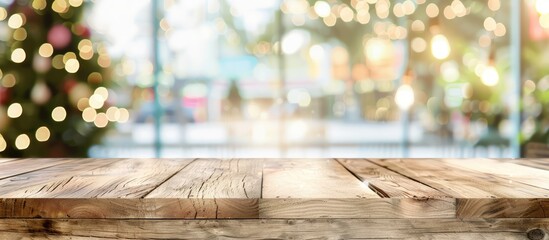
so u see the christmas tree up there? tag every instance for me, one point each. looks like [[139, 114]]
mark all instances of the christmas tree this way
[[53, 100]]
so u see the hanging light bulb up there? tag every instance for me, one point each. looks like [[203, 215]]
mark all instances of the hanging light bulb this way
[[404, 97], [490, 75], [440, 47]]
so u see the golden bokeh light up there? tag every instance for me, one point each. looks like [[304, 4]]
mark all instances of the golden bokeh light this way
[[449, 13], [18, 55], [419, 44], [75, 3], [494, 5], [16, 21], [82, 104], [45, 50], [113, 114], [101, 120], [418, 26], [363, 17], [95, 78], [8, 80], [490, 24], [500, 30], [104, 61], [85, 49], [57, 62], [440, 47], [3, 144], [96, 101], [67, 56], [42, 134], [103, 92], [124, 115], [432, 10], [22, 142], [89, 114], [39, 4], [15, 110], [3, 14], [58, 114], [72, 65], [346, 14], [60, 6], [20, 34], [330, 20], [322, 9]]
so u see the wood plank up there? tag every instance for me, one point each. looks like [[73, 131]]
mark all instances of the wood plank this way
[[311, 178], [7, 159], [127, 208], [463, 183], [13, 168], [206, 182], [503, 208], [214, 178], [388, 183], [366, 208], [322, 188], [541, 163], [128, 178], [450, 229], [510, 171], [50, 176]]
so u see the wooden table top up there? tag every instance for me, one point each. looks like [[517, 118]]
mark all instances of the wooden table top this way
[[273, 188]]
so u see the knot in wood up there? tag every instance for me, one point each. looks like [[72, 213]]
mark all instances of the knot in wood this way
[[535, 234]]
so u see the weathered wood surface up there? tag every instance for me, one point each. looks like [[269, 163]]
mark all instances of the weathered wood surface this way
[[9, 168], [311, 178], [466, 182], [436, 229], [273, 198], [388, 183], [272, 188]]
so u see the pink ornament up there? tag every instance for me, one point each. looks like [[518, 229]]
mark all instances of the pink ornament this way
[[59, 36]]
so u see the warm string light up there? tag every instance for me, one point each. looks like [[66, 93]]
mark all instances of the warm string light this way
[[42, 134], [490, 75], [3, 143], [404, 96], [440, 47]]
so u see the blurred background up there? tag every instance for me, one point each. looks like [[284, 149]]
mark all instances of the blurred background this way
[[274, 78]]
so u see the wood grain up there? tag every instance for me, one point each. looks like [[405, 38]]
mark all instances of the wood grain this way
[[128, 208], [52, 176], [510, 171], [291, 208], [7, 159], [388, 183], [542, 163], [311, 178], [214, 178], [503, 208], [128, 178], [272, 229], [20, 166], [462, 183]]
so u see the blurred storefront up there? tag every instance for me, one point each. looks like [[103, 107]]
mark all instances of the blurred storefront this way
[[305, 78]]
